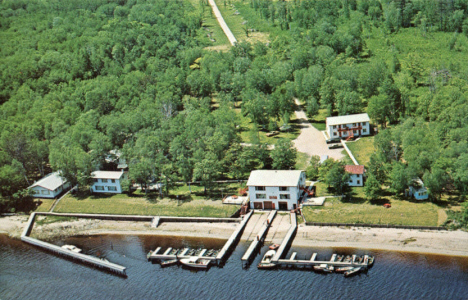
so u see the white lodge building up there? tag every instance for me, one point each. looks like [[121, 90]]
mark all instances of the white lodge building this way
[[348, 126], [50, 186], [107, 181], [276, 189]]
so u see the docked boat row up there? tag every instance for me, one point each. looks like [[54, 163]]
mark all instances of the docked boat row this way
[[194, 258]]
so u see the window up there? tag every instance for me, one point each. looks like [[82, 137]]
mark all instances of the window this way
[[358, 182], [99, 188], [284, 188], [354, 124], [113, 180], [285, 196], [96, 180], [364, 130], [335, 134], [334, 126], [112, 188], [260, 196], [259, 188], [45, 192], [104, 180], [355, 131]]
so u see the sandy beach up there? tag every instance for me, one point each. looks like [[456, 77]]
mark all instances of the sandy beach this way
[[452, 243]]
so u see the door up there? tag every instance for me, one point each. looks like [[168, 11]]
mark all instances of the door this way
[[283, 205], [258, 205], [268, 205]]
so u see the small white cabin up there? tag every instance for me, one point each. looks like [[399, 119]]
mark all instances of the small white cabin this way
[[50, 186], [348, 126], [418, 190], [276, 189], [356, 175], [107, 181]]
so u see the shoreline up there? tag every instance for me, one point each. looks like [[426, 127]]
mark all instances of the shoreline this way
[[444, 243]]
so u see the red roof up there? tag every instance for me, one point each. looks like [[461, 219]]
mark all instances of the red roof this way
[[353, 169]]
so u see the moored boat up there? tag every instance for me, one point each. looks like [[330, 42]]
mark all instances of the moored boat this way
[[72, 248], [370, 261], [168, 262], [352, 272], [324, 268], [266, 260], [273, 246], [343, 269], [196, 262]]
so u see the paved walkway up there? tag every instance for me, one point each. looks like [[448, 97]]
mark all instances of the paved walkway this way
[[311, 140], [222, 23]]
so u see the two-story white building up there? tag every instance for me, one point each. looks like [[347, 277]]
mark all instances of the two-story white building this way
[[50, 186], [276, 189], [107, 181], [356, 175], [348, 126]]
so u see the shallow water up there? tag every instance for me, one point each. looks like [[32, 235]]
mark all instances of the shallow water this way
[[27, 272]]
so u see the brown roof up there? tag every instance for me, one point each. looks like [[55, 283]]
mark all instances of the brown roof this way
[[354, 169]]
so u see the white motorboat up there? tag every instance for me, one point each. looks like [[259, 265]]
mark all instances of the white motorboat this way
[[72, 248], [196, 262], [266, 260]]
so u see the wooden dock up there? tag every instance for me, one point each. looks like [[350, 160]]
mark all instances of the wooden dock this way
[[260, 237], [287, 239], [292, 261], [234, 237], [87, 259]]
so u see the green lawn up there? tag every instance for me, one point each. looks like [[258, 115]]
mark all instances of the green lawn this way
[[44, 204], [358, 210], [180, 203], [302, 161], [318, 121], [362, 149], [321, 189]]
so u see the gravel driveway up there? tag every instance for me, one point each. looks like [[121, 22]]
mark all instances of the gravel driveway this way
[[311, 140]]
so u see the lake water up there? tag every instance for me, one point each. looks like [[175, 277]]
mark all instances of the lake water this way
[[29, 273]]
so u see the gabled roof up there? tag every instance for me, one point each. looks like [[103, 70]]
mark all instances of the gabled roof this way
[[50, 182], [107, 174], [348, 119], [274, 178], [353, 169]]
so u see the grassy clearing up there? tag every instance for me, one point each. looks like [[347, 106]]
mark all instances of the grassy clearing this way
[[362, 149], [52, 219], [402, 212], [246, 126], [180, 203], [44, 205], [322, 189], [233, 12], [211, 30]]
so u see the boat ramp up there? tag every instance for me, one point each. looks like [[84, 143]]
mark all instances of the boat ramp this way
[[260, 238]]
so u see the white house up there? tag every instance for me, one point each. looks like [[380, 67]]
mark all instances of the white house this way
[[50, 186], [348, 126], [418, 190], [107, 181], [276, 189], [356, 175]]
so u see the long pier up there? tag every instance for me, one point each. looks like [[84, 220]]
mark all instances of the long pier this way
[[115, 268], [287, 239], [234, 237], [312, 262], [260, 237]]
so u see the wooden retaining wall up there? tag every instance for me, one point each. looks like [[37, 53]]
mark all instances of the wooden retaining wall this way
[[376, 226]]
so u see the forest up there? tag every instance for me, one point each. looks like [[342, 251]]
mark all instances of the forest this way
[[81, 78]]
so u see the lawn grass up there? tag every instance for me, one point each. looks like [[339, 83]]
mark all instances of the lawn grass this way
[[362, 149], [302, 161], [180, 203], [321, 189], [318, 121], [402, 212], [44, 204]]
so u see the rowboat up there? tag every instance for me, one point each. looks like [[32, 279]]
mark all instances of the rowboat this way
[[196, 262], [72, 248], [352, 272], [168, 262], [273, 246], [266, 260], [343, 269]]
